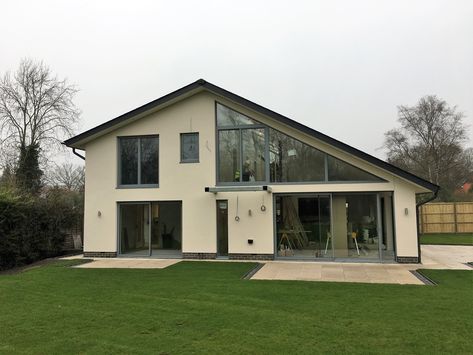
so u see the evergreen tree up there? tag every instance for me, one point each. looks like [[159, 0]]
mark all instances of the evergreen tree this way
[[28, 174]]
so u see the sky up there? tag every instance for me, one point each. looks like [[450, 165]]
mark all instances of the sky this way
[[340, 67]]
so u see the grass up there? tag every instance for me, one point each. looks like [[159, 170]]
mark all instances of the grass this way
[[205, 307], [447, 239]]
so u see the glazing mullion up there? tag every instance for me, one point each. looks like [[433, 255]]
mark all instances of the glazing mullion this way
[[331, 226], [149, 229], [138, 142], [379, 226], [266, 154], [240, 138]]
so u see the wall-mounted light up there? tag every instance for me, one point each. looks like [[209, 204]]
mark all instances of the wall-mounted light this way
[[406, 211]]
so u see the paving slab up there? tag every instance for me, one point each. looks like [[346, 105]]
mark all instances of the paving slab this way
[[433, 257], [447, 256], [121, 263], [337, 272]]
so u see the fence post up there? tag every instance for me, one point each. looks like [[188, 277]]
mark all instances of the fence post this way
[[455, 216], [421, 219]]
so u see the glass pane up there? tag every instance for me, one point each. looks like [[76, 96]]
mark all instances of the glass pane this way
[[294, 161], [228, 117], [149, 160], [166, 228], [341, 171], [190, 147], [254, 168], [134, 229], [229, 156], [128, 161], [303, 227], [355, 226]]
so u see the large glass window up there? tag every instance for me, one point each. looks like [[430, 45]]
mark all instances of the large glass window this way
[[229, 156], [344, 226], [249, 151], [340, 171], [128, 161], [303, 226], [253, 144], [150, 228], [138, 161], [356, 232], [293, 161], [227, 117]]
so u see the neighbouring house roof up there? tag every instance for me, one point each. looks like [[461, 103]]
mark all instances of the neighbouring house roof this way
[[80, 140]]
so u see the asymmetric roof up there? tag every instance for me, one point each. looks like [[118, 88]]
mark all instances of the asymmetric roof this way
[[79, 141]]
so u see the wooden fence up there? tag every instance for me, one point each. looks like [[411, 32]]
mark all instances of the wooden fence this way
[[446, 217]]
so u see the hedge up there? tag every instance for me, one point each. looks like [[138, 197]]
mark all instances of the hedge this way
[[32, 228]]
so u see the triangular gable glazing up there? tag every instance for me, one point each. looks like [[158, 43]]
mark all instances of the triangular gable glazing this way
[[246, 153]]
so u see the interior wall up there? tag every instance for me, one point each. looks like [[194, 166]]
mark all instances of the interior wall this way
[[388, 220], [339, 227]]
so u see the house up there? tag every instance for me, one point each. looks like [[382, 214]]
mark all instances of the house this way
[[204, 173]]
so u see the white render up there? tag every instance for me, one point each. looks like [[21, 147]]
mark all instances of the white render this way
[[186, 183]]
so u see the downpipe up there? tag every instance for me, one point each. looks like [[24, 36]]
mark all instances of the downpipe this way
[[433, 197]]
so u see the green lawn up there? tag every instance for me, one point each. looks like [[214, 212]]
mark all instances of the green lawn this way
[[205, 307], [447, 239]]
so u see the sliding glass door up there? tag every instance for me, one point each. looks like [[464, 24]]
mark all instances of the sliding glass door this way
[[303, 226], [334, 226], [134, 229], [150, 228]]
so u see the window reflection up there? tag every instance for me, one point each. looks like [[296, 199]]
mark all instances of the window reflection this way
[[229, 155], [244, 143], [253, 155], [294, 161]]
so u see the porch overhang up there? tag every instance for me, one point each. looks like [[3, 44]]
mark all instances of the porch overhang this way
[[217, 189]]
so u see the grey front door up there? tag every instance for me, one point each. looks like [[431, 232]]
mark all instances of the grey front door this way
[[222, 228]]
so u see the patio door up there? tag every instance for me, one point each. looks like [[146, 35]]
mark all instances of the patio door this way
[[150, 228], [134, 229], [303, 226]]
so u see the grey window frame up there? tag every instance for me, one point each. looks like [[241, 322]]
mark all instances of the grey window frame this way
[[119, 165], [267, 156], [189, 161]]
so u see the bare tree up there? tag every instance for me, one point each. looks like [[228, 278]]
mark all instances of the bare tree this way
[[67, 175], [36, 111], [36, 108], [430, 143]]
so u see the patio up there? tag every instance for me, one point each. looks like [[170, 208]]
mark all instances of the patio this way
[[433, 257]]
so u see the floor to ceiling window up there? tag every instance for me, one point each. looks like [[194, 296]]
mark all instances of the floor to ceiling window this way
[[150, 228], [303, 226], [356, 231], [335, 226]]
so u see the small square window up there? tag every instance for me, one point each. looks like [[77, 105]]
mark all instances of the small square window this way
[[189, 147]]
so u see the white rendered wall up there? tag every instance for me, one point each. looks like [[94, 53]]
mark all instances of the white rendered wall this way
[[186, 183]]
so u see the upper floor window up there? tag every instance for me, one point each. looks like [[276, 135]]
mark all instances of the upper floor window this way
[[226, 117], [138, 161], [189, 147], [249, 151]]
